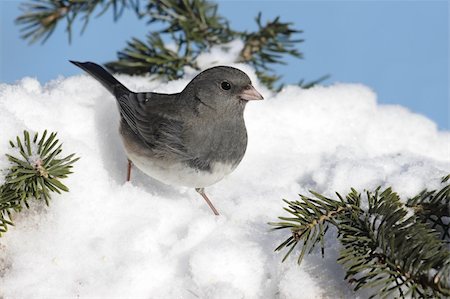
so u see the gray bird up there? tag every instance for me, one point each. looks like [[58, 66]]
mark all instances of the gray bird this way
[[193, 138]]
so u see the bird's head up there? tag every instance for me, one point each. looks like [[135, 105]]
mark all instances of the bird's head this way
[[222, 88]]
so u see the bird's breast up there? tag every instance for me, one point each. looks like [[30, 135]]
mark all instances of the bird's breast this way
[[208, 152], [222, 141], [179, 173]]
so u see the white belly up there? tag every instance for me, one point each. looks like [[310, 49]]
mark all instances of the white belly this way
[[179, 173]]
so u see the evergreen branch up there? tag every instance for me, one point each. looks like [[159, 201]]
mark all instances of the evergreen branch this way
[[433, 207], [383, 248], [34, 173], [196, 21], [194, 25], [268, 45], [40, 17], [306, 85], [191, 26], [9, 201], [272, 38], [310, 222], [153, 57]]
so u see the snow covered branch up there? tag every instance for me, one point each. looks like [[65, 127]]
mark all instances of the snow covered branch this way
[[35, 172], [433, 207], [385, 247]]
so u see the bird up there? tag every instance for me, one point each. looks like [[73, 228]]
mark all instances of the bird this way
[[193, 138]]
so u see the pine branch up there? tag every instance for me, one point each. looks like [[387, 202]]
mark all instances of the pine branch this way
[[40, 17], [433, 207], [34, 173], [306, 85], [153, 57], [191, 26], [194, 26], [195, 21], [383, 248], [312, 217], [268, 45]]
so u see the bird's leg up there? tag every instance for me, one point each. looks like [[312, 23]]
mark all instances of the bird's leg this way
[[129, 170], [201, 191]]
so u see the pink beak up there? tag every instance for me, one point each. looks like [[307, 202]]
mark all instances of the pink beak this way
[[250, 94]]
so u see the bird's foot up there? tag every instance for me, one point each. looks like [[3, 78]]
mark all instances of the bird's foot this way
[[129, 170], [201, 191]]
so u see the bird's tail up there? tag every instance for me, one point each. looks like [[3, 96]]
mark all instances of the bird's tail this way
[[105, 78]]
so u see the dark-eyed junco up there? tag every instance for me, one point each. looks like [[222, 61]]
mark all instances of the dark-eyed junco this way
[[193, 138]]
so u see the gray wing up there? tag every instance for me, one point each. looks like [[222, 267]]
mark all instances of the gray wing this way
[[156, 119]]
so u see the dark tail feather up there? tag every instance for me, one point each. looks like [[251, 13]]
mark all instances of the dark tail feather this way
[[99, 73]]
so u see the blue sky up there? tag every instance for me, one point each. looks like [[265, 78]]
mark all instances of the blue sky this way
[[398, 48]]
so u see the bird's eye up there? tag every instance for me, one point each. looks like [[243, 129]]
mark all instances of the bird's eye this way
[[225, 85]]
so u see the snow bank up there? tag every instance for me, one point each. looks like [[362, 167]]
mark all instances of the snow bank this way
[[111, 239]]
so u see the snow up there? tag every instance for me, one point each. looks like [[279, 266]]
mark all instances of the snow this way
[[219, 55], [111, 239]]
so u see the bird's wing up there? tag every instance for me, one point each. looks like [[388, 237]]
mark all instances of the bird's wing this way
[[156, 119]]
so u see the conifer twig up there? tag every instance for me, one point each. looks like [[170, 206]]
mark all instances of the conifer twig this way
[[40, 17], [183, 29], [433, 207], [383, 247], [35, 172]]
